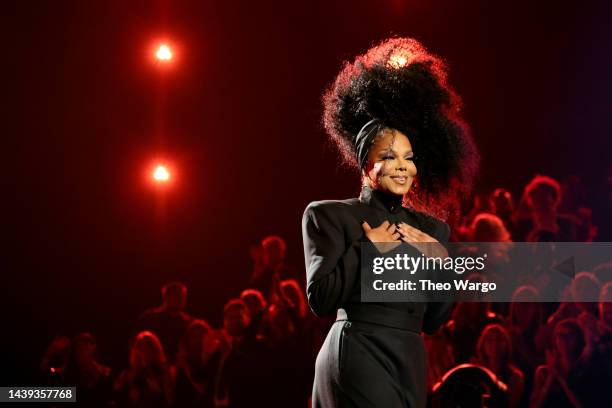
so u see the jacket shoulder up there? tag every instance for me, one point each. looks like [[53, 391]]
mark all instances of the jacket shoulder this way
[[331, 205]]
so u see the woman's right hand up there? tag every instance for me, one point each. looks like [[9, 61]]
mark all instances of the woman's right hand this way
[[385, 236]]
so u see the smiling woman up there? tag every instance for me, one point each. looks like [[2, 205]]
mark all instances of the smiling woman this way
[[390, 166], [393, 117]]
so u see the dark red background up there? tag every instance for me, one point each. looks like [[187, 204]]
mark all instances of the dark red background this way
[[86, 111]]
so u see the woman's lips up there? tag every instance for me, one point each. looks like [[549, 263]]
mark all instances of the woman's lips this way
[[400, 179]]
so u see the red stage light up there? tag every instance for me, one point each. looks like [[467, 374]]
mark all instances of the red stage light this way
[[161, 174], [164, 53], [398, 60]]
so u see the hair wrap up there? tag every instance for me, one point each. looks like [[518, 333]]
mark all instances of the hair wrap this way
[[364, 140]]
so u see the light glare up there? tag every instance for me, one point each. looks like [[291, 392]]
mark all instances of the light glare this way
[[164, 53], [161, 174]]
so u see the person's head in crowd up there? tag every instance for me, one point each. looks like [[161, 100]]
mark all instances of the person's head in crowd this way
[[494, 347], [236, 317], [194, 337], [83, 350], [83, 368], [56, 356], [291, 290], [488, 228], [481, 203], [585, 289], [526, 312], [254, 301], [474, 310], [543, 194], [605, 306], [274, 249], [147, 352], [281, 324], [174, 296], [502, 203], [569, 341]]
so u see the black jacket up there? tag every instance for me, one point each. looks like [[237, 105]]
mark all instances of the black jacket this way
[[333, 234]]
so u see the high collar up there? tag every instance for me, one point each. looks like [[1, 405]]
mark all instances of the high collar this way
[[378, 199]]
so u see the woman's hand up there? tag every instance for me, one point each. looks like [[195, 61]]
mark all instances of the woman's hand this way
[[425, 243], [385, 236]]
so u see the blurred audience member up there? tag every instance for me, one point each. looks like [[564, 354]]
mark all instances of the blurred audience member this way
[[92, 379], [488, 228], [494, 351], [149, 380], [502, 205], [467, 321], [55, 360], [196, 367], [542, 197], [269, 266], [524, 324], [168, 321], [563, 380], [245, 366]]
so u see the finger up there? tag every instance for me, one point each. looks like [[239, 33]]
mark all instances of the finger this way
[[408, 233], [412, 228], [384, 225], [409, 227], [409, 239], [366, 226], [396, 236]]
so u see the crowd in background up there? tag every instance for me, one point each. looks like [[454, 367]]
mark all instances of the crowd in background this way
[[522, 353]]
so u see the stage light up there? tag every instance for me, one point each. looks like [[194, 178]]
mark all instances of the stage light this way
[[397, 60], [164, 53], [161, 174]]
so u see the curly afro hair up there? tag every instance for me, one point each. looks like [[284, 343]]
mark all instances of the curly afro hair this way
[[404, 86]]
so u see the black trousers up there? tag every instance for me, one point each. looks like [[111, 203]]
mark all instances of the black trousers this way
[[368, 365]]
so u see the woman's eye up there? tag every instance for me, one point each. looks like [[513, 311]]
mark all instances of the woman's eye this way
[[388, 158], [410, 158]]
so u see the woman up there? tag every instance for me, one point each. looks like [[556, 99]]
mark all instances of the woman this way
[[149, 380], [494, 351], [563, 380], [392, 115], [195, 369]]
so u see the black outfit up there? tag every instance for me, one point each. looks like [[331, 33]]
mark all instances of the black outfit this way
[[373, 355]]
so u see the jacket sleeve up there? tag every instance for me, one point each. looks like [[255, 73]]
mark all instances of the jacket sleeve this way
[[332, 263], [437, 313]]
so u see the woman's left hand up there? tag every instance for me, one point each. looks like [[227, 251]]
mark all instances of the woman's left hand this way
[[422, 241]]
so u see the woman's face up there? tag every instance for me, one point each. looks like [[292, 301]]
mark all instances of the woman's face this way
[[84, 353], [144, 353], [390, 166], [495, 345], [567, 341]]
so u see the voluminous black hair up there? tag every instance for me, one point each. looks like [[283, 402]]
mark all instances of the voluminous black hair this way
[[400, 83]]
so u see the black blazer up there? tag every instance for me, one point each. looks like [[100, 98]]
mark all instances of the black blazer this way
[[333, 234]]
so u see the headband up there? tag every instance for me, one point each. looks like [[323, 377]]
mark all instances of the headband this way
[[364, 140]]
